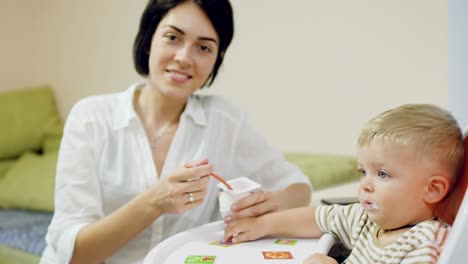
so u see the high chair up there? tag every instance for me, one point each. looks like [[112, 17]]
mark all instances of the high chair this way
[[454, 251], [453, 210]]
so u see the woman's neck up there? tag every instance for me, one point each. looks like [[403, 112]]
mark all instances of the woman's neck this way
[[155, 110]]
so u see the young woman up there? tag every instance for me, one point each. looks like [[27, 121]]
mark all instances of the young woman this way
[[133, 167]]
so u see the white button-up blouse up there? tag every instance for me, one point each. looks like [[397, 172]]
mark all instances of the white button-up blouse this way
[[105, 160]]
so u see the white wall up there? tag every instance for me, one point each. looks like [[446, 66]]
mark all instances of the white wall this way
[[22, 54], [310, 73], [458, 60]]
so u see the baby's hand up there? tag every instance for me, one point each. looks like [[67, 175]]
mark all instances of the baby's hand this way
[[245, 229], [320, 259]]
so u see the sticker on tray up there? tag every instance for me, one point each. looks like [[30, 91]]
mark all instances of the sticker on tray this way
[[288, 242], [200, 259], [277, 255]]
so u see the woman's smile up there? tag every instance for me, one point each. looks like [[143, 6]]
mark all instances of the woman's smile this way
[[178, 77]]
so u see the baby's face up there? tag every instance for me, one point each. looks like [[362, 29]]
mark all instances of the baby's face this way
[[392, 185]]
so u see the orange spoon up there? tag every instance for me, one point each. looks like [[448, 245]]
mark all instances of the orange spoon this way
[[216, 176]]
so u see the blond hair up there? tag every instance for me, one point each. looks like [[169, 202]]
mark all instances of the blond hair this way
[[431, 130]]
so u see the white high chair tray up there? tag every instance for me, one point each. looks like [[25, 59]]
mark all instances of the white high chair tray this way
[[196, 242]]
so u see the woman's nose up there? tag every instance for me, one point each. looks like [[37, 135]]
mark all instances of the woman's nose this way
[[183, 56]]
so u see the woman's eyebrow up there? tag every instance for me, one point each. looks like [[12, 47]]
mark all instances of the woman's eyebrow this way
[[183, 33]]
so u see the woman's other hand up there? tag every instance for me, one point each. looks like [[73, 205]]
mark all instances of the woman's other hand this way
[[183, 189], [320, 259], [262, 202], [253, 205]]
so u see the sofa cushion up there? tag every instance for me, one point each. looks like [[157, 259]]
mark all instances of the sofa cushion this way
[[13, 255], [30, 183], [4, 166], [27, 117], [24, 230], [51, 144], [325, 170]]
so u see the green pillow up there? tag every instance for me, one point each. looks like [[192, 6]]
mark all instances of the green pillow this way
[[17, 256], [51, 144], [27, 118], [30, 183], [4, 166], [325, 170]]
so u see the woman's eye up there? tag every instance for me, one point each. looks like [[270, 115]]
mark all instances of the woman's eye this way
[[205, 48], [362, 172], [383, 174], [171, 37]]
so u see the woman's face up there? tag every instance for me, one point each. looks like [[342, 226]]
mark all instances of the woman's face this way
[[183, 51]]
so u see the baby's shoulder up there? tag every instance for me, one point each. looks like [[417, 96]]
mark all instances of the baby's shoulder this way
[[433, 231]]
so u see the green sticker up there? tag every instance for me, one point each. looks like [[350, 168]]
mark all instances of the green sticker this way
[[289, 242], [194, 259]]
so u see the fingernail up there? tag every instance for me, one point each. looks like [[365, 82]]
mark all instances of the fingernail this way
[[227, 219]]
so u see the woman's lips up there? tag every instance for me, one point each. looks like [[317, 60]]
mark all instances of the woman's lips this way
[[178, 76]]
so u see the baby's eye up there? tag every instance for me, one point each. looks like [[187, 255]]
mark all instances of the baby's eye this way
[[383, 174], [362, 172]]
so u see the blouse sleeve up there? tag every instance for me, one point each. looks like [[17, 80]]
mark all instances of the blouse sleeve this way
[[77, 190], [255, 158]]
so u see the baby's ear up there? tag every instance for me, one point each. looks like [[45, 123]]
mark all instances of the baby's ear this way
[[437, 188]]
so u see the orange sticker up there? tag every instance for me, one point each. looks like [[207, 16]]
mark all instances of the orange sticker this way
[[277, 255]]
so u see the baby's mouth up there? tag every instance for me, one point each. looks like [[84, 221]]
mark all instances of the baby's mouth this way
[[369, 205]]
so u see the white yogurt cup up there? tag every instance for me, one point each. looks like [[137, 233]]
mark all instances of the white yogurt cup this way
[[241, 187]]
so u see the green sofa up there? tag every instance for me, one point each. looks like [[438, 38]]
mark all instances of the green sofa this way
[[325, 170], [30, 138]]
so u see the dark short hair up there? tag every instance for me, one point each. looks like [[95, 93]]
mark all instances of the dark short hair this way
[[218, 11]]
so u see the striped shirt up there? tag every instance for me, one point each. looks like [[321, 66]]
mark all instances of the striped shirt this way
[[422, 243]]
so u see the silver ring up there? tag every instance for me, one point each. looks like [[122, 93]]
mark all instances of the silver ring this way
[[191, 198]]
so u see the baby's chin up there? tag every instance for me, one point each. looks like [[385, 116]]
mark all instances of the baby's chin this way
[[380, 219]]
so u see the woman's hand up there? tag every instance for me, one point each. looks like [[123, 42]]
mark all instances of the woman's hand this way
[[183, 189], [262, 202], [253, 205], [245, 229], [320, 259]]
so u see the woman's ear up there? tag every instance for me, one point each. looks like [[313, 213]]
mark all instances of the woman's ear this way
[[437, 188]]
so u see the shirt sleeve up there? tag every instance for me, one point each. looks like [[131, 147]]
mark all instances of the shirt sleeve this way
[[341, 221], [77, 190], [255, 158]]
